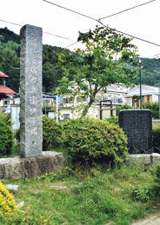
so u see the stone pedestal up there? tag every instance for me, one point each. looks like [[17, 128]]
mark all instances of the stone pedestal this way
[[20, 168]]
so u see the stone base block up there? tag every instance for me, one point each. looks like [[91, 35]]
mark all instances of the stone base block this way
[[144, 158], [20, 168]]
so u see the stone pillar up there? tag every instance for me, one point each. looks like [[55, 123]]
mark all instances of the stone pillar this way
[[137, 125], [31, 91]]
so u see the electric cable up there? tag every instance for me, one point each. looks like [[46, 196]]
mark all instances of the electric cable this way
[[100, 22], [70, 10], [48, 33], [128, 9]]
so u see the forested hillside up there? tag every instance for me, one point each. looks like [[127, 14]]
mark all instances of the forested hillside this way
[[150, 72], [9, 64], [9, 61]]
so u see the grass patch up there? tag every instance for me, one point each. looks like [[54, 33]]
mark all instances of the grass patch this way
[[94, 196]]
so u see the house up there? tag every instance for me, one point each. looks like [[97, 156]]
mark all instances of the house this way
[[13, 107], [114, 95], [150, 94], [6, 94]]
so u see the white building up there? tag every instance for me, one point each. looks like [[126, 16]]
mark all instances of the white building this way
[[149, 95], [114, 94]]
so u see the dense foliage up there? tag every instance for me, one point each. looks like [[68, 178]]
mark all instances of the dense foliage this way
[[52, 71], [6, 136], [150, 72], [9, 61], [52, 133], [90, 141], [7, 204], [120, 107], [157, 179], [113, 120], [154, 107], [156, 138]]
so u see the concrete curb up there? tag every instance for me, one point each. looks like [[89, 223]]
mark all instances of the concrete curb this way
[[144, 158]]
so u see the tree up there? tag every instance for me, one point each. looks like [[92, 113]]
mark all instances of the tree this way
[[9, 63], [108, 57], [52, 72], [150, 72]]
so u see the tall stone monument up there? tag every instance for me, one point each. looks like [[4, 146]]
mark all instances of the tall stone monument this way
[[33, 162], [137, 125], [31, 91]]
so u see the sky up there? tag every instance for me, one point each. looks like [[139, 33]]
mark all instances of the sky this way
[[142, 22]]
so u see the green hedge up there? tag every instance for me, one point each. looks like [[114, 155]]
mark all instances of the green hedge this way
[[113, 120], [90, 141], [6, 136], [154, 107], [156, 138], [52, 133], [120, 107], [157, 179]]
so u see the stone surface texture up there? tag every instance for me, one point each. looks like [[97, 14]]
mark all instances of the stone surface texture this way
[[30, 167], [12, 187], [31, 91], [137, 125]]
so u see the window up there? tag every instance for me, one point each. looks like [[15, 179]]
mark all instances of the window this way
[[66, 116], [129, 101], [98, 98], [148, 98], [66, 99], [6, 102]]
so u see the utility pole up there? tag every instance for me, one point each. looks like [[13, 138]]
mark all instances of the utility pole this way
[[159, 101], [57, 108], [140, 76]]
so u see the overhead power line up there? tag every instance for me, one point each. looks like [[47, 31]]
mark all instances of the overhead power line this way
[[70, 10], [55, 35], [128, 9], [72, 44], [132, 36], [99, 21], [58, 36], [11, 23]]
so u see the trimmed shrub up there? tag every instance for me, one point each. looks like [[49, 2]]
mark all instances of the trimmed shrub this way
[[154, 107], [120, 107], [7, 204], [157, 169], [6, 136], [90, 141], [113, 120], [156, 138], [52, 133]]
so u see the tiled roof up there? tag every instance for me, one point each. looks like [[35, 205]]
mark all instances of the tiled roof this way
[[6, 90], [3, 74]]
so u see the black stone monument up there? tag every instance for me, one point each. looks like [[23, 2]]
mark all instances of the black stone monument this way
[[137, 125]]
